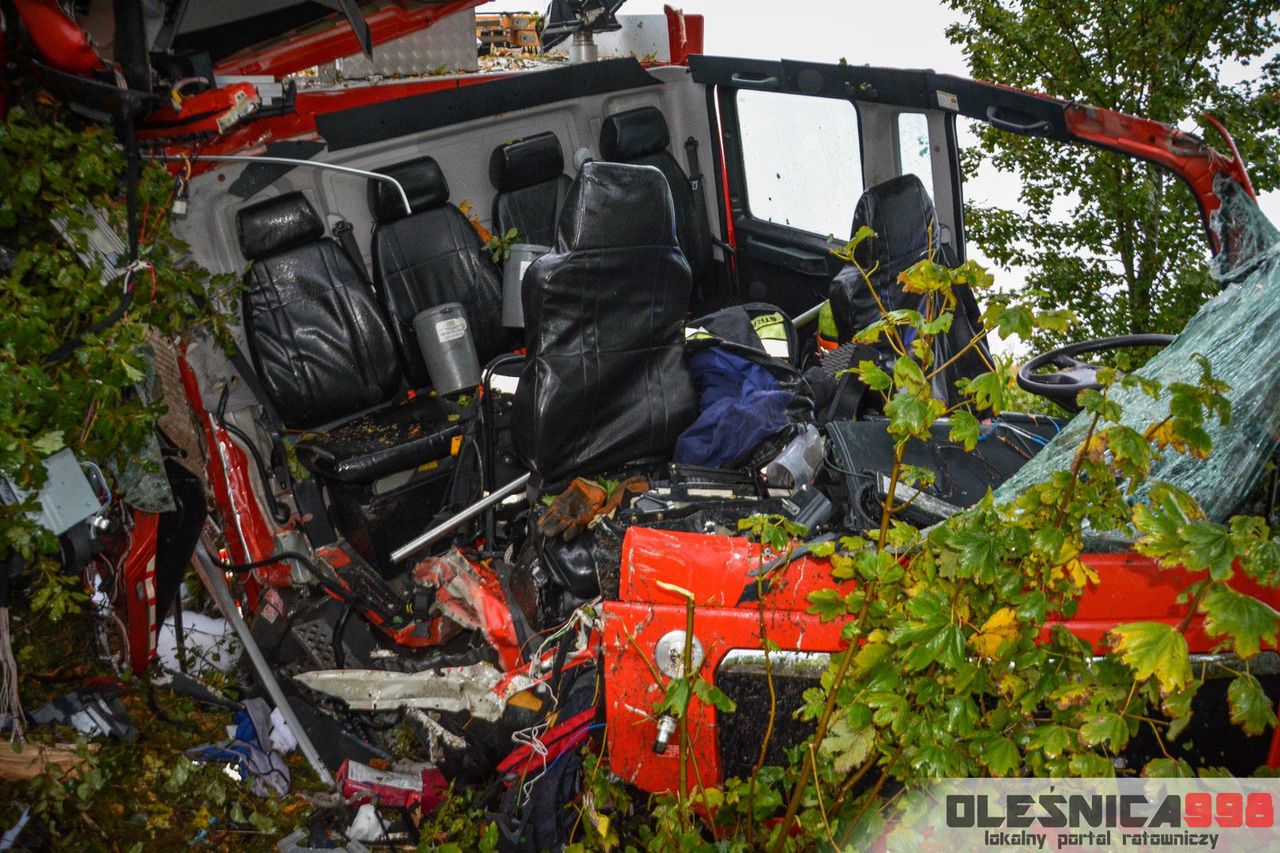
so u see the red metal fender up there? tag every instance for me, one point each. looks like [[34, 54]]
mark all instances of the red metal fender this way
[[1133, 588], [684, 34], [1188, 157], [212, 111], [139, 598], [716, 568]]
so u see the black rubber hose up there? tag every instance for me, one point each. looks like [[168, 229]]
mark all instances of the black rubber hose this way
[[340, 628], [279, 557], [279, 511]]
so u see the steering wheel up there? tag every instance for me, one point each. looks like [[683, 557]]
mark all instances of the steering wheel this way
[[1073, 375]]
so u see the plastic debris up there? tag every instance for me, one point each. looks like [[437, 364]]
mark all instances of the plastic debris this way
[[250, 751], [416, 785], [282, 739], [367, 825], [208, 642], [92, 714]]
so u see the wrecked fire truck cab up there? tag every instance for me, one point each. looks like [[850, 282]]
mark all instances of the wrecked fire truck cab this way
[[468, 457]]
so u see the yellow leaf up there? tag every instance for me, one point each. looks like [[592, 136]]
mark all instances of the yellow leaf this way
[[1000, 626], [1081, 574]]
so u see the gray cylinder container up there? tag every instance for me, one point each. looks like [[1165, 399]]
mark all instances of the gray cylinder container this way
[[447, 348], [522, 255]]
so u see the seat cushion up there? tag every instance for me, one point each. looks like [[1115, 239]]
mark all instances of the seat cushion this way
[[316, 333], [606, 382], [428, 259], [385, 441]]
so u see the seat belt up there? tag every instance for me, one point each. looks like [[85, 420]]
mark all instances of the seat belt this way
[[695, 174], [695, 183], [345, 235]]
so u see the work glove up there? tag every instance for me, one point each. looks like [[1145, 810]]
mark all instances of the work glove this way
[[576, 507], [572, 510]]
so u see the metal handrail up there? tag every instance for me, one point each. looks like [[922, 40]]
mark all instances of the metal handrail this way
[[293, 161]]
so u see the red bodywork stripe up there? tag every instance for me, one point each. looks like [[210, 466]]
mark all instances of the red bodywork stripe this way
[[1191, 159]]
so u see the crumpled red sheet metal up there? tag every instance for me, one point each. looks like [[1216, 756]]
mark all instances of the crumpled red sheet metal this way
[[470, 594]]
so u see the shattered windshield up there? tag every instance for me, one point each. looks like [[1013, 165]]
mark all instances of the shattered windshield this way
[[1239, 332]]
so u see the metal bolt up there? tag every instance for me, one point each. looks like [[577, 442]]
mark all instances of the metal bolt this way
[[666, 728]]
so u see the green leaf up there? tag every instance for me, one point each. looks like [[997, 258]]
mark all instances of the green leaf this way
[[848, 748], [965, 429], [925, 276], [1249, 705], [910, 416], [676, 700], [1208, 546], [908, 376], [49, 442], [1130, 450], [1247, 621], [827, 604], [939, 325], [709, 694], [1108, 729], [988, 391], [1052, 740], [822, 550], [1000, 755], [1154, 648], [873, 376], [1168, 768]]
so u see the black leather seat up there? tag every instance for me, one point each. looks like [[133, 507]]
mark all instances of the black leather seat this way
[[606, 382], [427, 258], [316, 333], [321, 349], [641, 137], [529, 177], [902, 215]]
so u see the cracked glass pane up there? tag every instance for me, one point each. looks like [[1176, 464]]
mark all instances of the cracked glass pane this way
[[1239, 332]]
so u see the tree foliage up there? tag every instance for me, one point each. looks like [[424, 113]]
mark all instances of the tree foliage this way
[[89, 401], [1117, 240]]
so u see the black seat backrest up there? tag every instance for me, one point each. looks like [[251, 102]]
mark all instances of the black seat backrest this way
[[606, 381], [641, 137], [902, 216], [428, 257], [529, 177], [316, 334]]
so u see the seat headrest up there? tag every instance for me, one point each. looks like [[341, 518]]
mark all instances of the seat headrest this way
[[635, 133], [277, 224], [423, 183], [902, 215], [526, 162], [615, 205]]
